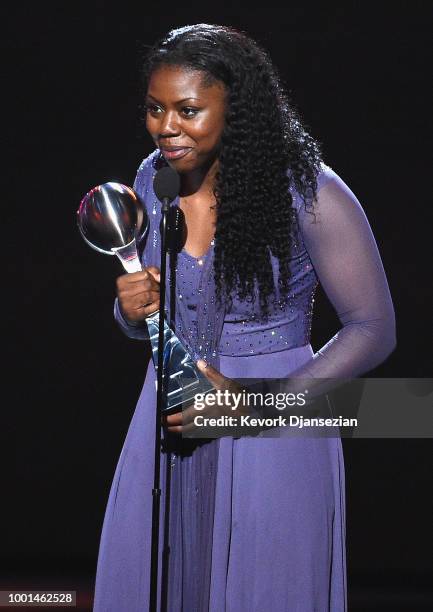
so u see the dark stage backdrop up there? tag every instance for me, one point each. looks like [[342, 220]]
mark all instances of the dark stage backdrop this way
[[358, 75]]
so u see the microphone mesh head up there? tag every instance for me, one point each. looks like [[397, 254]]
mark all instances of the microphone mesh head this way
[[166, 184]]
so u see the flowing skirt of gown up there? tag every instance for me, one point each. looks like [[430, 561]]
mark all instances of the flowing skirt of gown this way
[[255, 523]]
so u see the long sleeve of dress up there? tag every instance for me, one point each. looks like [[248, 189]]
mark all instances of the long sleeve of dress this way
[[137, 331], [344, 254]]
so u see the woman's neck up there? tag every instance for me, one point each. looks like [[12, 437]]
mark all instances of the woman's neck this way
[[199, 182]]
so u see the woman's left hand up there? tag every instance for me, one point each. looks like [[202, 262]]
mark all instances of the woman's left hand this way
[[183, 422]]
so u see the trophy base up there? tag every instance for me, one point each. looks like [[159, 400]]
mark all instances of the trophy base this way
[[182, 380]]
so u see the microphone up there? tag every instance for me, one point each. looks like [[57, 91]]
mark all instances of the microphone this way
[[166, 185]]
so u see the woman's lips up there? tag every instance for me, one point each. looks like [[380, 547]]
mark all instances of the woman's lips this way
[[176, 153]]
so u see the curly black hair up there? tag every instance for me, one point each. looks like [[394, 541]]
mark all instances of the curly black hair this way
[[264, 150]]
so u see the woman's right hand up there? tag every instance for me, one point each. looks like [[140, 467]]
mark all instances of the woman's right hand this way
[[138, 294]]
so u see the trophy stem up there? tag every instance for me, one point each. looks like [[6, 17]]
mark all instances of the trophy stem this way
[[128, 256]]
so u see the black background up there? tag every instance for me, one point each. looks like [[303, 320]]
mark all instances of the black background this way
[[358, 73]]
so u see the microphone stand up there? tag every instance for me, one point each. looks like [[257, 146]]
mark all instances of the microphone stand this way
[[156, 491]]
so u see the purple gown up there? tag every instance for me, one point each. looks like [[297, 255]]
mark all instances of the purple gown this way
[[255, 523]]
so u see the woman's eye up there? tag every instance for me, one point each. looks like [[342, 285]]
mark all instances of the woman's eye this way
[[153, 109], [188, 111]]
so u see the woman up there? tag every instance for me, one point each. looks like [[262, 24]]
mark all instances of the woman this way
[[255, 523]]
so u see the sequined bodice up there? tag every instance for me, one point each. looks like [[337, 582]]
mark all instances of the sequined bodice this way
[[244, 330], [188, 273]]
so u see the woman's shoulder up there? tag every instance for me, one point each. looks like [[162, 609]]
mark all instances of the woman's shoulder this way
[[147, 169], [325, 176], [328, 175]]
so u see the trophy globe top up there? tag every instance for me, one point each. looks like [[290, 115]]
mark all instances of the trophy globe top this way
[[110, 217]]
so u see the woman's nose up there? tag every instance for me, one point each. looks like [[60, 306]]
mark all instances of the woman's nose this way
[[169, 125]]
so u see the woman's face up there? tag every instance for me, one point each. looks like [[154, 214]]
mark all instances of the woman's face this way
[[185, 117]]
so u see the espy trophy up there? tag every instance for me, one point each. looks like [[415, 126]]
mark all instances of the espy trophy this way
[[111, 220]]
